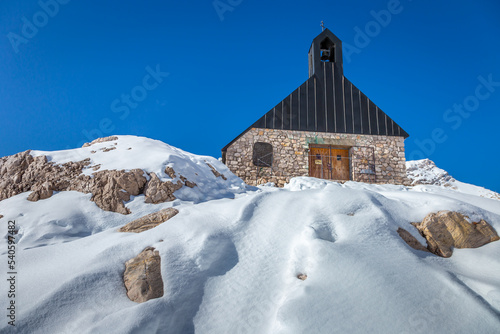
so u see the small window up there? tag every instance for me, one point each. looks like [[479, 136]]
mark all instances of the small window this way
[[339, 158], [262, 154]]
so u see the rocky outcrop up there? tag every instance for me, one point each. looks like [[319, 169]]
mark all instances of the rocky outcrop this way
[[1, 216], [100, 140], [157, 191], [216, 172], [41, 192], [142, 276], [109, 188], [22, 172], [427, 173], [447, 229], [411, 240], [107, 149], [187, 183], [171, 173], [150, 221]]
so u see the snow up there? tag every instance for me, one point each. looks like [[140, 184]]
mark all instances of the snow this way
[[230, 265]]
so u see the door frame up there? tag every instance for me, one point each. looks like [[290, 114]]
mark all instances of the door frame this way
[[331, 147]]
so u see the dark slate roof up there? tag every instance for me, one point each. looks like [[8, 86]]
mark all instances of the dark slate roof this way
[[327, 102]]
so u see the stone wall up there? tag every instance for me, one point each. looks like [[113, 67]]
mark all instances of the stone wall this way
[[383, 154]]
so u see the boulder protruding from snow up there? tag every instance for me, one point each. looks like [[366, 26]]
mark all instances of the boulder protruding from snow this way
[[149, 221], [142, 276], [447, 229]]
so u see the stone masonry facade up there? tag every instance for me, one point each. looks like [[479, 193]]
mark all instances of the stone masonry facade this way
[[373, 159]]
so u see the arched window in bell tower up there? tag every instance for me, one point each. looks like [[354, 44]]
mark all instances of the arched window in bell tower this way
[[327, 50]]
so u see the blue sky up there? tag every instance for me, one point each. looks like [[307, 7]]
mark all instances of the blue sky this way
[[82, 71]]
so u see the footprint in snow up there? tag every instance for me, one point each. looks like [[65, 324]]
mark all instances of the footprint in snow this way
[[305, 253], [324, 231]]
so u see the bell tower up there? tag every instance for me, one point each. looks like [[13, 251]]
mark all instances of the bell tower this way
[[326, 50]]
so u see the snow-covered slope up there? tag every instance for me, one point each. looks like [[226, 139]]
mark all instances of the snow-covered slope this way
[[231, 265], [153, 156], [425, 172]]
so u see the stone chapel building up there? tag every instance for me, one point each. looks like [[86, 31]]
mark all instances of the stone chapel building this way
[[327, 128]]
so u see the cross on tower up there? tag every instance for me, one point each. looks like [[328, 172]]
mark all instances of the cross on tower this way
[[322, 26]]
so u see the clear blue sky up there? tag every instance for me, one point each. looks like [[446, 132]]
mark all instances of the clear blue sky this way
[[65, 82]]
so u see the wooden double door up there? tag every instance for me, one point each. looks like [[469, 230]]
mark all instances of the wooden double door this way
[[329, 162]]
